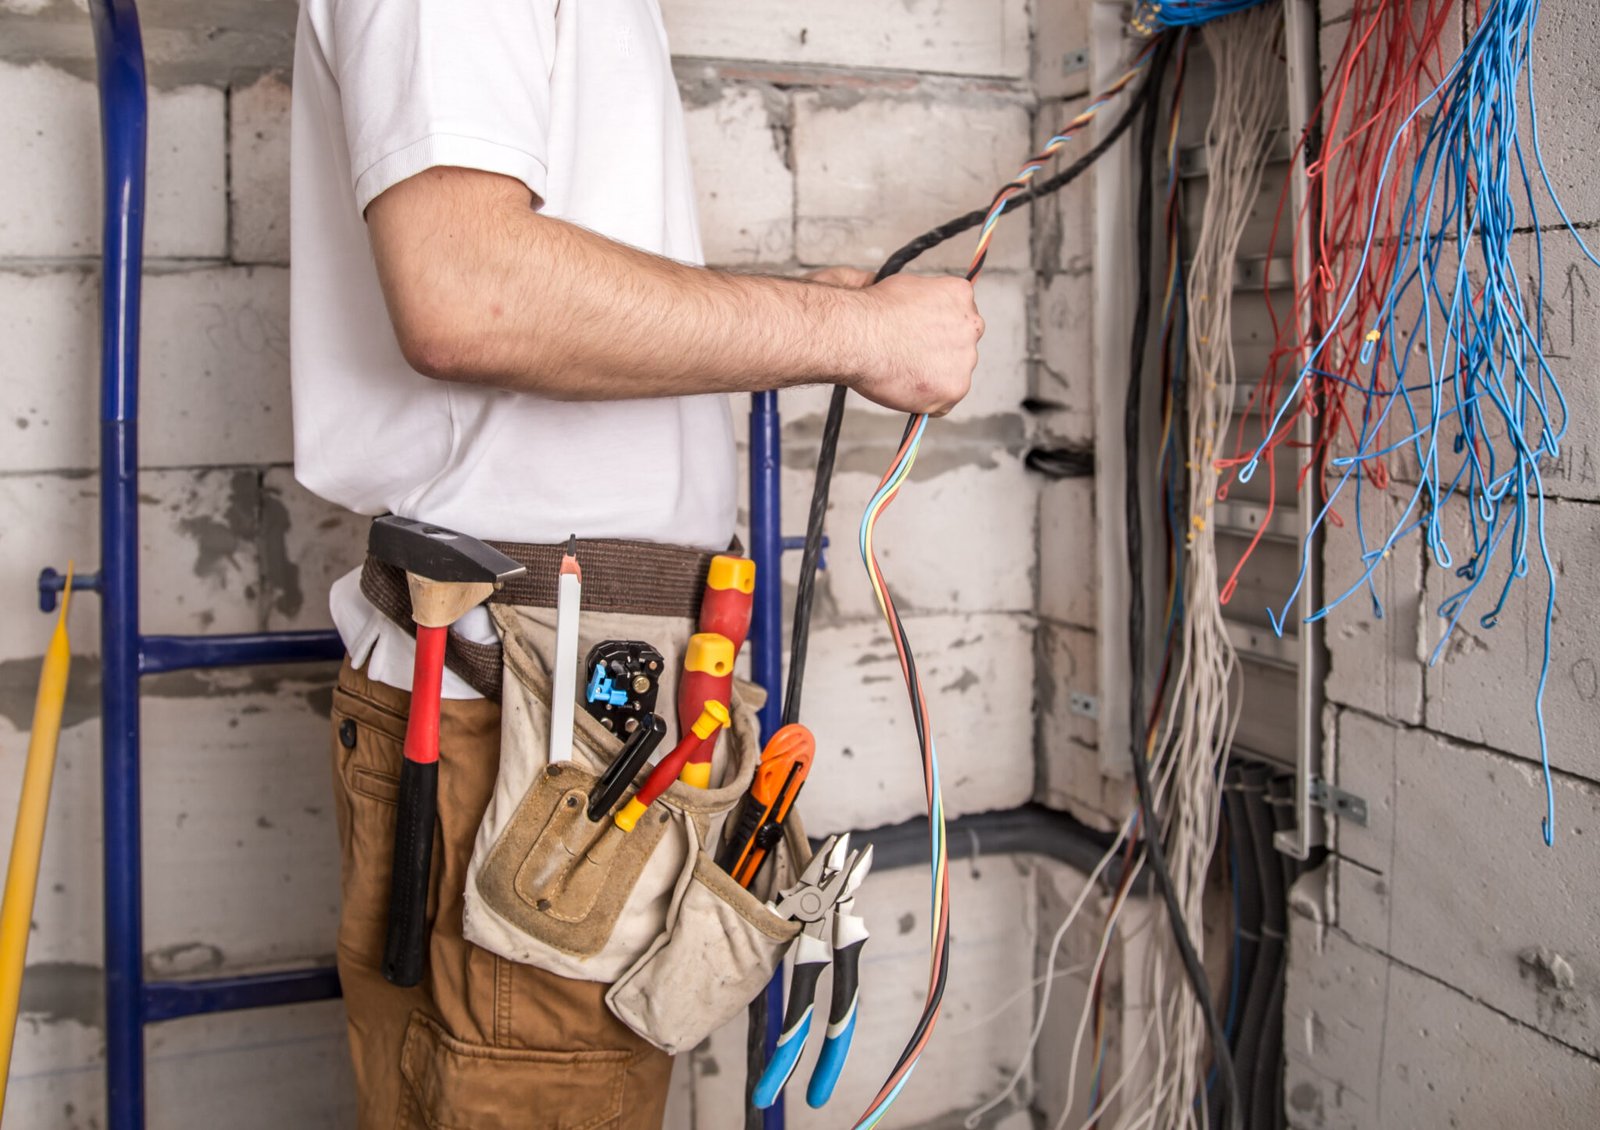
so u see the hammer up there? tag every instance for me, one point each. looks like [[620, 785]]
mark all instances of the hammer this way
[[448, 574]]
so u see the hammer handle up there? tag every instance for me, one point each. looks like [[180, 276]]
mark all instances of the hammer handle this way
[[406, 942]]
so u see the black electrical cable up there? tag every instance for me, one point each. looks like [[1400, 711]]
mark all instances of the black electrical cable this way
[[827, 453], [1132, 426], [1060, 462]]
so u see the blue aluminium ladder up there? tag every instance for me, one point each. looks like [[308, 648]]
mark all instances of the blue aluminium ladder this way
[[127, 654]]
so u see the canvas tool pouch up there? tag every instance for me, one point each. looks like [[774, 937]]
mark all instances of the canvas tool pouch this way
[[647, 909]]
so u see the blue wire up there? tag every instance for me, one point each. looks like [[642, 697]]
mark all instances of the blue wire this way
[[1491, 402]]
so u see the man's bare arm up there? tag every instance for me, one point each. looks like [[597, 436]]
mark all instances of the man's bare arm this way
[[483, 289]]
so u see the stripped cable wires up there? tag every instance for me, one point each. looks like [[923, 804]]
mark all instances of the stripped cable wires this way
[[896, 475], [1460, 331], [1012, 195]]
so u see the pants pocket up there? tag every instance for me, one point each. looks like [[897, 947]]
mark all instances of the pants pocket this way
[[453, 1085], [368, 750]]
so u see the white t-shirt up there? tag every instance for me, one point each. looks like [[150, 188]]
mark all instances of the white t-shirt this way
[[576, 99]]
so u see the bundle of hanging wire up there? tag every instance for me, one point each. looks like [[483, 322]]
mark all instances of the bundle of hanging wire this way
[[1456, 380]]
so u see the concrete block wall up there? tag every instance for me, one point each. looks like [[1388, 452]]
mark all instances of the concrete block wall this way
[[824, 135], [1444, 965]]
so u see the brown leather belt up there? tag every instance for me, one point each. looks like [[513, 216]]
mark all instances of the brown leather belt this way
[[636, 577]]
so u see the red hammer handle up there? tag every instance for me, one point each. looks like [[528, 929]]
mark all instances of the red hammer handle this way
[[405, 944]]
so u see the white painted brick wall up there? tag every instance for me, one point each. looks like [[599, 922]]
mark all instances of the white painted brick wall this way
[[51, 363], [739, 138], [1073, 775], [1065, 373], [307, 544], [978, 673], [1373, 1044], [858, 199], [1452, 878], [215, 363], [1565, 87], [214, 360], [1373, 662], [50, 183], [1068, 563], [968, 37], [238, 822], [1061, 48], [258, 173], [1483, 686]]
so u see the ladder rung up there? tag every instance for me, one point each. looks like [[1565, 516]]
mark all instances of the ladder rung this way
[[182, 653], [169, 1000]]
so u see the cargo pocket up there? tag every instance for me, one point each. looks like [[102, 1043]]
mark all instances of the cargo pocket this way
[[560, 877], [368, 749], [722, 947], [454, 1085]]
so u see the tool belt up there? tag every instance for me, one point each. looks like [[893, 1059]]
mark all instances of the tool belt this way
[[633, 577], [684, 947]]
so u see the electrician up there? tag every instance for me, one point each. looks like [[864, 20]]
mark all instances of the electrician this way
[[495, 290]]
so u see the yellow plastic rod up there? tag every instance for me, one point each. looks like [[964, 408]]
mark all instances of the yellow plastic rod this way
[[22, 876]]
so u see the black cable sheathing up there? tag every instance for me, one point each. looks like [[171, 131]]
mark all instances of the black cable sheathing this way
[[1132, 426], [1274, 927], [1064, 462], [828, 449], [827, 452]]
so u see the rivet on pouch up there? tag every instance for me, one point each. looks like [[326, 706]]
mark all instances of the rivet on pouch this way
[[663, 819], [572, 802], [542, 904], [554, 770]]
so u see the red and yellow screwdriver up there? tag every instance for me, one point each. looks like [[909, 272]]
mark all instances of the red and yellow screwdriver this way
[[713, 716], [708, 661]]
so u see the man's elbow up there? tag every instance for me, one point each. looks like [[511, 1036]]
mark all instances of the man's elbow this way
[[440, 352], [439, 339]]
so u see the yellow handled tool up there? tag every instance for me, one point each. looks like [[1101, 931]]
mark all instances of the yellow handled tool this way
[[22, 876]]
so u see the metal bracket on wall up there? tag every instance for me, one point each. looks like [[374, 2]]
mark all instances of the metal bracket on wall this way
[[1340, 803]]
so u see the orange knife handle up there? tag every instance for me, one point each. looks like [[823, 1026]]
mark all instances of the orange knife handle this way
[[785, 763]]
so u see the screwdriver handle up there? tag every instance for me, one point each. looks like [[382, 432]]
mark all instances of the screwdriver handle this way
[[707, 677], [712, 718], [728, 599]]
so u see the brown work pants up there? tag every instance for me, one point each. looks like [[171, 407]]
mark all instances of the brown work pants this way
[[482, 1043]]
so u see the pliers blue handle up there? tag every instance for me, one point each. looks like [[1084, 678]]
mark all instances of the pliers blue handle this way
[[824, 902], [849, 936], [810, 959]]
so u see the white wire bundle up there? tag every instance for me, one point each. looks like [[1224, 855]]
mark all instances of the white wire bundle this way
[[1246, 54], [1170, 1054]]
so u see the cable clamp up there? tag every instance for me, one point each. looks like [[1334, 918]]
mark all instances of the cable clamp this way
[[1345, 805]]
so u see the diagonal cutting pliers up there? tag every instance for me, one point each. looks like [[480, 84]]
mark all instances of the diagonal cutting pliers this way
[[823, 900]]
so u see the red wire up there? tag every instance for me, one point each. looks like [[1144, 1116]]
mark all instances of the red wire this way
[[1390, 60]]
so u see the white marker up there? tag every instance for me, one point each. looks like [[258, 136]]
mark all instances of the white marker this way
[[564, 676]]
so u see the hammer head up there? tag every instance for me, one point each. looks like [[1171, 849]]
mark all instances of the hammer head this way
[[437, 554], [447, 573]]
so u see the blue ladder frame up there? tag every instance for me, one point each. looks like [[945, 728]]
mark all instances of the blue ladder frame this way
[[127, 654]]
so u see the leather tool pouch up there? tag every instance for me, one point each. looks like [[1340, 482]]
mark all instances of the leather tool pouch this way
[[649, 909]]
